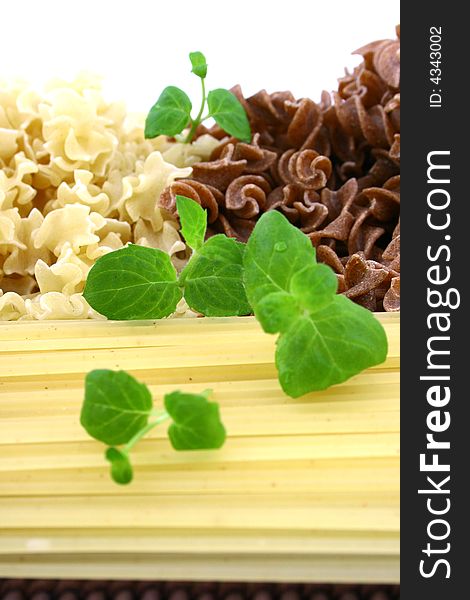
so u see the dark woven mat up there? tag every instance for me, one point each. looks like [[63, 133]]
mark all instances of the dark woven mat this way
[[24, 589]]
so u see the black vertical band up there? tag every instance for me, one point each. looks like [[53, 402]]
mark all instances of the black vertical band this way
[[434, 321]]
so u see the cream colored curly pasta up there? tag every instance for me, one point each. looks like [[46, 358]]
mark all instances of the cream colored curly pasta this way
[[78, 180]]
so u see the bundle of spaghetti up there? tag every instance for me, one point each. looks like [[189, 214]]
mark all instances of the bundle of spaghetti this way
[[303, 489]]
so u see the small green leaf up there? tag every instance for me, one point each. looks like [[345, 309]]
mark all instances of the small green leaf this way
[[133, 283], [275, 252], [193, 221], [314, 286], [197, 424], [116, 406], [198, 62], [277, 311], [227, 111], [121, 468], [213, 279], [328, 346], [170, 114]]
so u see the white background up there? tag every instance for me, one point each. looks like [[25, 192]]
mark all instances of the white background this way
[[140, 46]]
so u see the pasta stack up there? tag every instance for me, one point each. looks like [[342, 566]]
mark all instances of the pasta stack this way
[[303, 490]]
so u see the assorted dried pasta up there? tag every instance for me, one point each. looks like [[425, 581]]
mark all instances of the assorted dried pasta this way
[[78, 180]]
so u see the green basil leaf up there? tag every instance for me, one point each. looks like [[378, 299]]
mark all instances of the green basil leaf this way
[[227, 111], [133, 283], [170, 114], [213, 279], [121, 468], [314, 286], [275, 252], [196, 422], [193, 219], [116, 406], [328, 346], [277, 311], [199, 64]]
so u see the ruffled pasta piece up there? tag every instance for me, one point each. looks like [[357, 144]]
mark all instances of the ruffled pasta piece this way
[[76, 136], [119, 228], [54, 305], [67, 275], [82, 191], [10, 223], [108, 244], [22, 255], [73, 224], [8, 144], [63, 276], [15, 182], [142, 191], [12, 306]]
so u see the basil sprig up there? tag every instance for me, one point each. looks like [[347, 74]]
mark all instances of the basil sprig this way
[[172, 111], [141, 283], [118, 411], [325, 338]]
